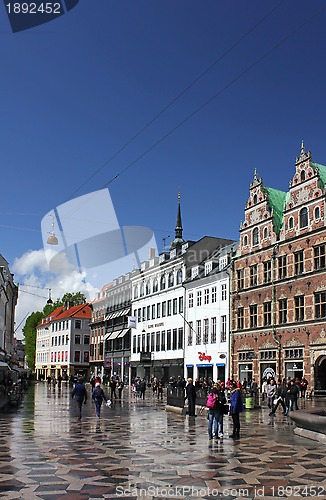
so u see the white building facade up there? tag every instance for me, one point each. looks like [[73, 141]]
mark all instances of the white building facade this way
[[207, 345]]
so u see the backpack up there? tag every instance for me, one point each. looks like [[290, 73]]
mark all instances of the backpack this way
[[211, 401], [98, 393]]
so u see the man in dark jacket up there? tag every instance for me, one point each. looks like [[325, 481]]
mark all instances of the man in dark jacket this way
[[191, 396], [79, 393], [291, 396], [280, 396]]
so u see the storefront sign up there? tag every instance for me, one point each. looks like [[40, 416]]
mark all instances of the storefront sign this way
[[204, 357], [131, 321]]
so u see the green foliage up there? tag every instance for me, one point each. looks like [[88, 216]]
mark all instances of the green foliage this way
[[36, 317]]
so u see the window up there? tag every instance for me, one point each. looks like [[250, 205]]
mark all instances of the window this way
[[153, 311], [191, 300], [144, 314], [223, 291], [245, 240], [255, 199], [168, 340], [253, 275], [255, 236], [143, 342], [213, 293], [253, 316], [303, 175], [148, 312], [282, 267], [267, 271], [141, 293], [190, 330], [291, 223], [175, 306], [158, 341], [206, 296], [59, 340], [213, 330], [86, 340], [171, 280], [320, 304], [155, 285], [86, 357], [198, 332], [319, 256], [78, 324], [267, 313], [199, 298], [162, 284], [299, 308], [303, 217], [317, 213], [174, 339], [240, 278], [194, 272], [283, 310], [179, 277], [158, 310], [181, 305], [240, 321], [223, 328], [163, 309], [133, 344], [206, 331], [163, 340], [77, 357], [180, 338], [148, 288], [208, 267], [298, 262], [139, 315], [265, 233], [169, 307]]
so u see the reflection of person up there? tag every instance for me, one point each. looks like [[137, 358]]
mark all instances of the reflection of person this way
[[191, 396], [236, 407], [98, 396], [79, 393]]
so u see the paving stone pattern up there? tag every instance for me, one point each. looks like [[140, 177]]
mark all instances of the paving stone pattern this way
[[138, 450]]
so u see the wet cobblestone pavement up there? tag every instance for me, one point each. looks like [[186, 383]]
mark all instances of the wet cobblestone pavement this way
[[138, 450]]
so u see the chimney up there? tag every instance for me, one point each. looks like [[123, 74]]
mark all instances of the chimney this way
[[151, 253]]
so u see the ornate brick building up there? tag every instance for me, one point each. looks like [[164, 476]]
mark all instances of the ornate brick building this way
[[278, 280]]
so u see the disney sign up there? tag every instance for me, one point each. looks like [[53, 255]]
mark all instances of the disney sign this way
[[204, 357]]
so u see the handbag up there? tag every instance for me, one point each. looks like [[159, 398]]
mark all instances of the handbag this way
[[226, 409]]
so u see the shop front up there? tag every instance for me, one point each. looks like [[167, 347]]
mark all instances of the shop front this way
[[294, 369], [245, 372], [267, 371]]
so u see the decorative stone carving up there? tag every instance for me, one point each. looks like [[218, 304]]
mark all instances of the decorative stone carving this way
[[267, 345], [293, 342], [321, 339]]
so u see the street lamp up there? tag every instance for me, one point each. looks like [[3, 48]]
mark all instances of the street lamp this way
[[52, 239]]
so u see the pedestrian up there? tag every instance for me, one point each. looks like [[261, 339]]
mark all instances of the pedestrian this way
[[280, 396], [263, 389], [154, 386], [79, 393], [120, 388], [113, 386], [270, 392], [191, 397], [291, 396], [160, 386], [98, 396], [303, 387], [215, 403], [236, 407], [142, 388]]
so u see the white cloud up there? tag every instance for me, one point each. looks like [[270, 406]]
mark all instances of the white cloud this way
[[32, 269]]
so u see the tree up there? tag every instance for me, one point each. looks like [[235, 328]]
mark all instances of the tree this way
[[29, 331], [36, 317]]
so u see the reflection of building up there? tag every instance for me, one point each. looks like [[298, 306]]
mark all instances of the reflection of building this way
[[278, 280], [8, 301], [207, 316], [62, 342]]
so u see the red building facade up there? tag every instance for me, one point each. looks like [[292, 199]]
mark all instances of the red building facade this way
[[278, 280]]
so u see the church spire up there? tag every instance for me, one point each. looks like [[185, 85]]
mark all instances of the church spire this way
[[178, 240]]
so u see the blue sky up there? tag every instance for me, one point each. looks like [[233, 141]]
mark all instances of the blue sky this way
[[75, 90]]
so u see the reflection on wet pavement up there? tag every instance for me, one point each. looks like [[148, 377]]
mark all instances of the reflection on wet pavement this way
[[136, 449]]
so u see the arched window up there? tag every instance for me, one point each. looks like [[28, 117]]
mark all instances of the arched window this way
[[155, 285], [245, 240], [303, 175], [148, 288], [265, 233], [162, 287], [141, 290], [303, 217], [179, 277], [171, 280], [317, 213], [136, 292], [291, 223], [255, 236], [255, 199]]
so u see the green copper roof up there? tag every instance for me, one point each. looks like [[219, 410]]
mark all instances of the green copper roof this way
[[276, 201], [321, 172]]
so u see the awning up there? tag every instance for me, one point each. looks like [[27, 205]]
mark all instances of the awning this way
[[124, 332], [19, 369], [4, 365]]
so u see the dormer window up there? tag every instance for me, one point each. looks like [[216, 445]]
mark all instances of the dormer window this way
[[255, 236], [194, 272], [208, 267], [303, 217]]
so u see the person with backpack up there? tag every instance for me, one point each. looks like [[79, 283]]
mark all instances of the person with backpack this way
[[79, 393], [98, 396], [216, 407]]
